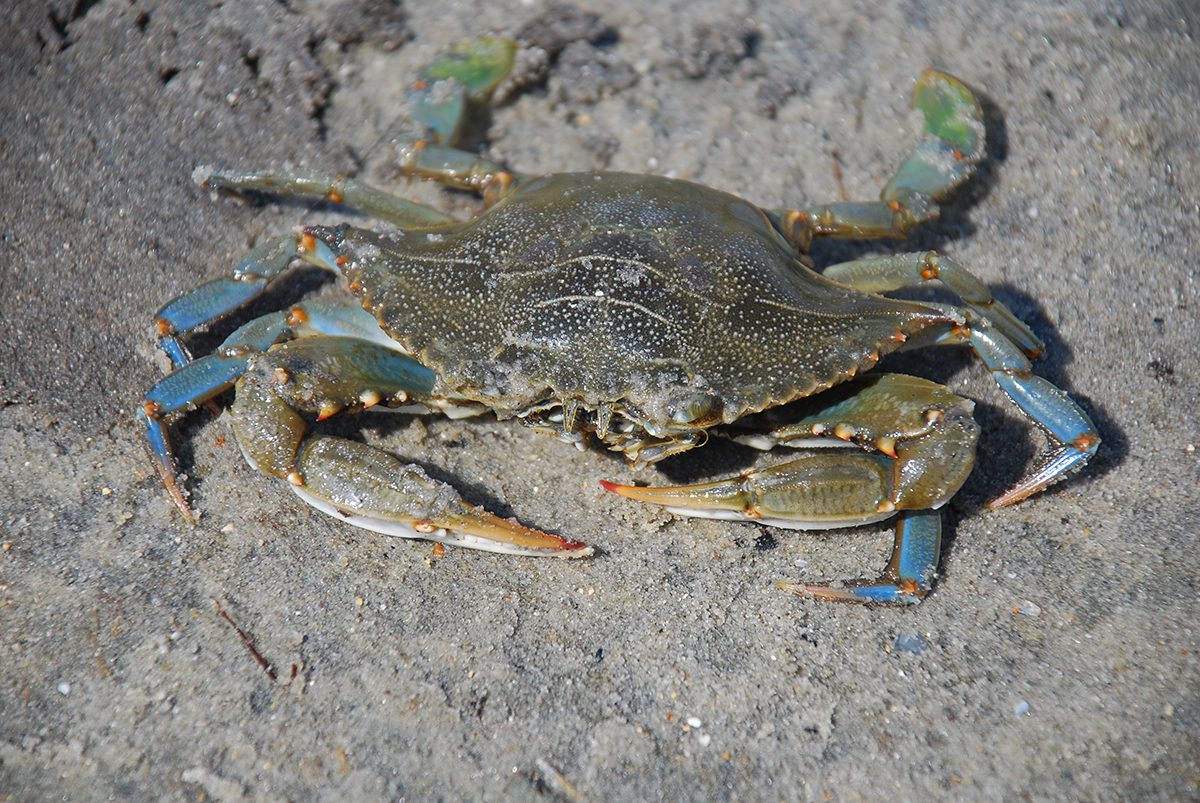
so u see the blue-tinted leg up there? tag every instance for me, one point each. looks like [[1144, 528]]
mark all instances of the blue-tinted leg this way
[[909, 574], [1072, 436], [213, 374], [213, 299]]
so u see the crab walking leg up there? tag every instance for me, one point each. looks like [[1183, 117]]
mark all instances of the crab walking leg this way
[[1072, 435], [322, 186], [213, 299], [359, 484], [199, 381], [910, 570], [887, 273], [945, 158], [440, 100], [917, 442], [221, 296]]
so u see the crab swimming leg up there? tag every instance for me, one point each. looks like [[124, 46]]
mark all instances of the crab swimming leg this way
[[892, 444], [442, 97], [945, 158]]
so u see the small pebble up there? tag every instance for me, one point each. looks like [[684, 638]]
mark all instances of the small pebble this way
[[64, 689], [1029, 608], [694, 722], [1021, 708], [912, 643], [704, 739]]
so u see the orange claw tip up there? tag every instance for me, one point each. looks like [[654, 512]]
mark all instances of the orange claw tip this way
[[567, 545], [479, 522], [638, 492]]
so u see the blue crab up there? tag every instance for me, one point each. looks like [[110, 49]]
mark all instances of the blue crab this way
[[637, 312]]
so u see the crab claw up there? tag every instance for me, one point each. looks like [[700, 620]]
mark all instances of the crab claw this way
[[795, 495], [804, 487], [367, 488], [723, 499], [502, 533]]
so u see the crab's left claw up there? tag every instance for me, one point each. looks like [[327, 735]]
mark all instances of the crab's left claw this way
[[371, 489]]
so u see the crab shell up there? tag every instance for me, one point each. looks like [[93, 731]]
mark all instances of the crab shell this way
[[671, 306]]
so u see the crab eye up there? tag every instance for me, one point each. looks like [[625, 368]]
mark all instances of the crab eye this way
[[693, 408]]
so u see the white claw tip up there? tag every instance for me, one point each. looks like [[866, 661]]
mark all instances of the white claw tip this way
[[202, 174]]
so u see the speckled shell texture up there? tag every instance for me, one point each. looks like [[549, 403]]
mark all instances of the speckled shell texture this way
[[631, 290]]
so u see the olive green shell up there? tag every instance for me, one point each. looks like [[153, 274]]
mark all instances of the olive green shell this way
[[633, 291]]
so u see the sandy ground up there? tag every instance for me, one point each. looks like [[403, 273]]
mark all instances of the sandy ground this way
[[1056, 660]]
